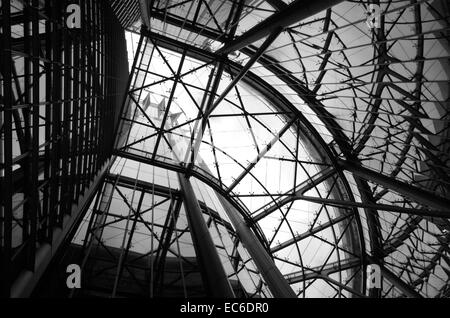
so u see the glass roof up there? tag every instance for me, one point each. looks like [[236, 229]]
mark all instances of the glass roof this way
[[377, 96]]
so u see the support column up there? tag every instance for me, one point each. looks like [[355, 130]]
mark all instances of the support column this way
[[279, 287], [213, 274]]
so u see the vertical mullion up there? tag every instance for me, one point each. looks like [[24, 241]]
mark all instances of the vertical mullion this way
[[46, 232], [65, 194], [81, 139], [34, 151], [26, 162], [133, 76], [102, 112], [92, 93], [88, 103], [74, 174], [98, 85], [6, 228], [57, 114], [107, 112], [124, 252], [146, 71], [169, 103], [102, 124], [55, 118], [100, 151]]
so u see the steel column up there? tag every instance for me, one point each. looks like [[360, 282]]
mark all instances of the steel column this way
[[212, 271], [212, 94], [265, 264]]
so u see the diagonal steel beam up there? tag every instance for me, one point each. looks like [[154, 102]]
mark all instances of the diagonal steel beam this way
[[213, 274], [262, 153], [374, 206], [299, 191], [213, 103], [211, 89], [145, 12], [169, 103], [27, 280], [265, 264], [309, 233], [416, 194], [170, 230], [296, 11], [273, 35], [277, 4]]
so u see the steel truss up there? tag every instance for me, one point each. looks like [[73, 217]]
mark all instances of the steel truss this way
[[375, 178], [388, 198], [57, 115], [132, 148], [150, 257]]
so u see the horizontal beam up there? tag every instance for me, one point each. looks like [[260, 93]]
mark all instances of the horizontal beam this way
[[295, 12], [141, 185], [352, 204], [375, 206], [171, 19], [322, 271]]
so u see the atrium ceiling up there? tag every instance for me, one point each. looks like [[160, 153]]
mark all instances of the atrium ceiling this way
[[237, 148], [321, 128]]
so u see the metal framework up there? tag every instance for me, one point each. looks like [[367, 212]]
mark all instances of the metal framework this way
[[57, 117], [320, 144], [147, 150], [138, 240], [390, 170]]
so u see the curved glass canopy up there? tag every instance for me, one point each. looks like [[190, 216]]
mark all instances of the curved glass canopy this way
[[327, 130], [252, 148]]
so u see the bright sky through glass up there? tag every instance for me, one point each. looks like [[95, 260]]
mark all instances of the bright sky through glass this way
[[234, 140]]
